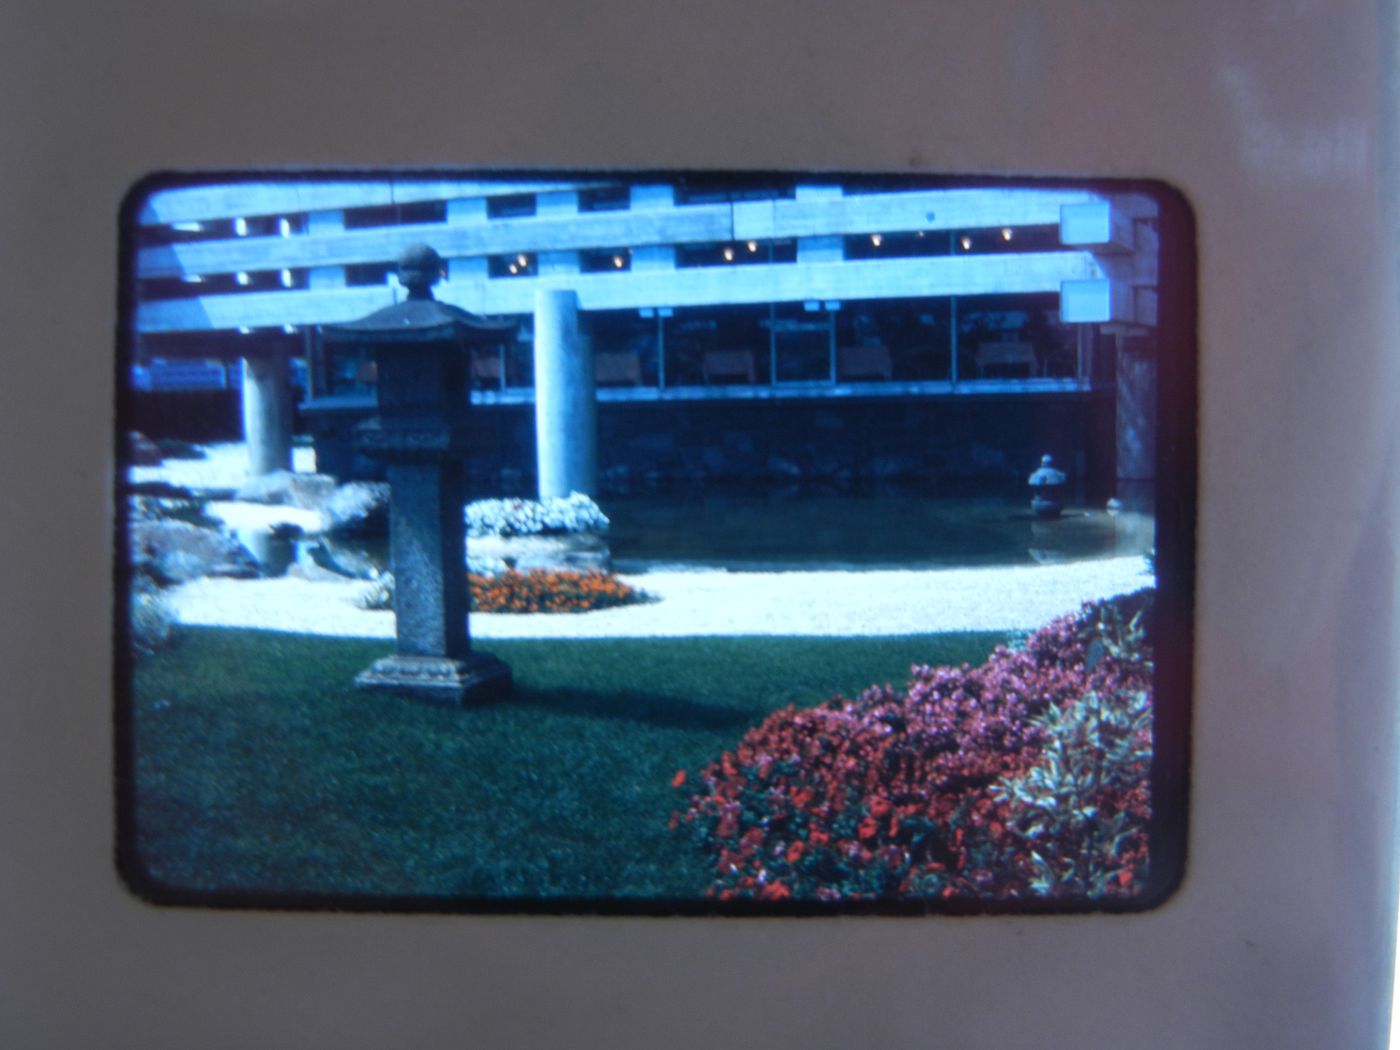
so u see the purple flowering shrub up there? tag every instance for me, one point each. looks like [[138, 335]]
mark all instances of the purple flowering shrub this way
[[1026, 776]]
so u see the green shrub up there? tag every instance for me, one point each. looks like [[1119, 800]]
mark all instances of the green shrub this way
[[972, 782], [152, 621]]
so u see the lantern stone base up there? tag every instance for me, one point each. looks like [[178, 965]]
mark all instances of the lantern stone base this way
[[479, 678]]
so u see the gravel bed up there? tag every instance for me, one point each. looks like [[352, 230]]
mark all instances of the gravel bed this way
[[224, 467], [691, 603], [688, 602]]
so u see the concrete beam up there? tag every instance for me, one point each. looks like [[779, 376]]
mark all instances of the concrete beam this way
[[640, 288], [292, 196], [1096, 224], [650, 222], [1096, 301]]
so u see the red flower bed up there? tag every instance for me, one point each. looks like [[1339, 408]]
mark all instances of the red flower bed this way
[[936, 791], [548, 591]]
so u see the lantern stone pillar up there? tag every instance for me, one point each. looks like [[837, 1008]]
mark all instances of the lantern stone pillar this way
[[267, 413], [422, 433], [566, 401], [1136, 421]]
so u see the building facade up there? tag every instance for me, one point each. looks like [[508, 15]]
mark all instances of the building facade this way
[[740, 302]]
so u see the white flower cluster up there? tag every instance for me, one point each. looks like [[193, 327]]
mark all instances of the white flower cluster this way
[[526, 517]]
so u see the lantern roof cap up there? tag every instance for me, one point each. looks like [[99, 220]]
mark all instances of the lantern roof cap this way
[[420, 318]]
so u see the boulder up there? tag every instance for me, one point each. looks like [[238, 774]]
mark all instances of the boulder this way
[[359, 508], [895, 466], [616, 480], [342, 560], [141, 451], [176, 551], [288, 489], [174, 448], [576, 551], [779, 467]]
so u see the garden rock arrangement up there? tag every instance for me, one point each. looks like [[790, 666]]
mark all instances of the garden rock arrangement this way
[[171, 551], [358, 509]]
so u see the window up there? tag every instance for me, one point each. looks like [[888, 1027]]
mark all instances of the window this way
[[411, 213], [511, 206], [605, 260], [521, 264], [605, 198]]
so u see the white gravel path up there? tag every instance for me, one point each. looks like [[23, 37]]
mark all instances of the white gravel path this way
[[225, 466], [710, 603], [689, 602]]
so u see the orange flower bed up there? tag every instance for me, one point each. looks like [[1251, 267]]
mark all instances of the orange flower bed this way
[[549, 591]]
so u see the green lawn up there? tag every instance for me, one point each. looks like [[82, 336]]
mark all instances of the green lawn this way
[[260, 769]]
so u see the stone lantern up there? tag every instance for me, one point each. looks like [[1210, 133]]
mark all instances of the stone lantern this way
[[420, 349], [1047, 486]]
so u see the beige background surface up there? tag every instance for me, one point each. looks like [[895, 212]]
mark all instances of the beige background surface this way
[[1266, 114]]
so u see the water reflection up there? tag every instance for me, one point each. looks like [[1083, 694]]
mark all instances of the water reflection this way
[[792, 527]]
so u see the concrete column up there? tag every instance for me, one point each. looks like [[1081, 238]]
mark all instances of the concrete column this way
[[566, 405], [1136, 411], [267, 413]]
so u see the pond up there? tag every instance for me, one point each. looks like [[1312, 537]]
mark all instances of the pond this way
[[760, 530], [752, 529]]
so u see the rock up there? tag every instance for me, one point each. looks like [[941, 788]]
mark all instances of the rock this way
[[141, 451], [152, 623], [174, 448], [976, 460], [890, 467], [616, 479], [713, 459], [177, 551], [577, 551], [783, 468], [342, 560], [988, 461], [288, 489], [360, 508], [159, 490]]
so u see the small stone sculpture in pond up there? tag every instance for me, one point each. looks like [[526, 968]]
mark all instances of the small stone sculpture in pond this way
[[1047, 489]]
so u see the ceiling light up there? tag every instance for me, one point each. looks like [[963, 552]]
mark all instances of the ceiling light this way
[[728, 254], [966, 243], [284, 227], [286, 278], [753, 246], [241, 277], [617, 261], [240, 227], [875, 239], [523, 260], [1006, 233]]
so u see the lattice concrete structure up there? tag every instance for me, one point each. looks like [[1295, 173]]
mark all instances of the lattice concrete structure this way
[[250, 269]]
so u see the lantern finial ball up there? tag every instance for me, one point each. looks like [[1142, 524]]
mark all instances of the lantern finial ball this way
[[420, 267]]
